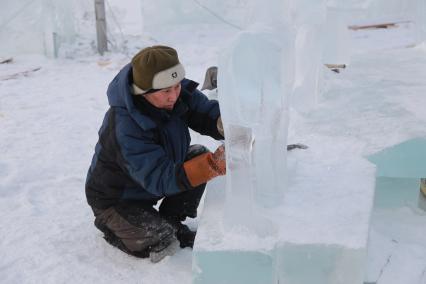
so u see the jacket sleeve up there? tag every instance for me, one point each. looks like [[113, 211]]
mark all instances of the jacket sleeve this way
[[145, 160], [204, 114]]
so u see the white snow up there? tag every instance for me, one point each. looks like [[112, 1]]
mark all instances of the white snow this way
[[48, 128]]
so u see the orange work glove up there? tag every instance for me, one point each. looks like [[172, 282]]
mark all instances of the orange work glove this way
[[204, 167]]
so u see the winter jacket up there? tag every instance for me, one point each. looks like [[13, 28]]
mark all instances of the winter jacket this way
[[141, 148]]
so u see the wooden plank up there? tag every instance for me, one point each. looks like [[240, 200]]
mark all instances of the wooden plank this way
[[6, 60], [334, 66], [377, 26], [25, 73]]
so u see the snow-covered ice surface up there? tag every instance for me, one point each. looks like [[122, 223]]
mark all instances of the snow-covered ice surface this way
[[397, 242], [48, 128]]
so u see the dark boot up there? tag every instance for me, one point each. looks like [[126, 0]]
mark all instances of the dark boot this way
[[185, 236], [176, 208], [137, 229], [116, 242]]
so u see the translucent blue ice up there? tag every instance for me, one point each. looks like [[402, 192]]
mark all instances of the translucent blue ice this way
[[405, 160]]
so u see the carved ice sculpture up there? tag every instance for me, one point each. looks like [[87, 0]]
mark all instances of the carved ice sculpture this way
[[255, 79]]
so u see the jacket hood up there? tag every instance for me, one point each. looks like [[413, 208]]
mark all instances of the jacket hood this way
[[119, 95]]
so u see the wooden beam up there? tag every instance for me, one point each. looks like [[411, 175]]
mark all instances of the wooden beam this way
[[25, 73], [334, 66], [6, 60], [377, 26]]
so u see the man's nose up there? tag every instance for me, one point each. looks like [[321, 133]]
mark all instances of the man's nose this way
[[173, 96]]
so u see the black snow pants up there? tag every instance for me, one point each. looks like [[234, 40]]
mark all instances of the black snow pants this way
[[137, 228]]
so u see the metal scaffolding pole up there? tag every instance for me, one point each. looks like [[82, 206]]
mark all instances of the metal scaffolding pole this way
[[101, 26]]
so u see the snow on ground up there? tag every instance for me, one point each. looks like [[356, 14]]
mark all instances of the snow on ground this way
[[48, 127]]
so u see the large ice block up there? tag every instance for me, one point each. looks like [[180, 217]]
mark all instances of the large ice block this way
[[405, 160], [319, 264], [337, 43], [398, 216], [46, 24], [275, 14], [259, 230], [399, 170], [396, 252], [319, 233], [309, 18], [396, 192], [397, 9], [162, 15], [254, 82]]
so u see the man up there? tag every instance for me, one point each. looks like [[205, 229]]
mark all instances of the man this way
[[144, 155]]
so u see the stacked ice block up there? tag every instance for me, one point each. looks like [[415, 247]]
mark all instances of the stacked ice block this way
[[337, 41], [272, 222], [399, 170], [301, 222], [318, 234], [254, 82], [46, 24], [397, 228], [309, 21]]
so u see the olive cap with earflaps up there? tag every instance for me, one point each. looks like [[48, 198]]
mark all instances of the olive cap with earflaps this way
[[156, 67]]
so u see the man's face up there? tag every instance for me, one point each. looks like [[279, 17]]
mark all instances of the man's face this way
[[164, 98]]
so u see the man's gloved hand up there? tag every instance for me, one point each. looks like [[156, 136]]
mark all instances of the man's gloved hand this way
[[204, 167]]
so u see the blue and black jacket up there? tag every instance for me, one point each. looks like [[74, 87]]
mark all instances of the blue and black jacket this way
[[141, 148]]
